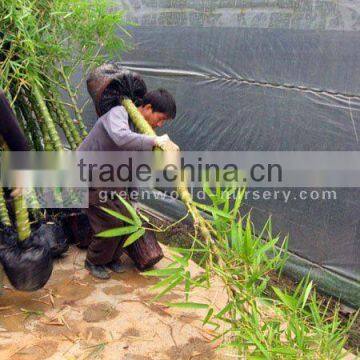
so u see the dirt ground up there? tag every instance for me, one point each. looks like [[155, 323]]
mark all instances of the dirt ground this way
[[78, 317]]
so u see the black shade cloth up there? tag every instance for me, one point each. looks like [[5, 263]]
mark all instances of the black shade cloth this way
[[265, 75]]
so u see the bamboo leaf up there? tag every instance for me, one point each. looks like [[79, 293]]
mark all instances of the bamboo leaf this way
[[212, 210], [118, 231], [224, 310], [163, 272], [144, 217], [235, 245], [207, 190], [226, 206], [259, 345], [188, 305], [182, 260], [164, 282], [239, 197], [208, 316], [118, 215], [287, 300], [133, 237], [306, 294], [188, 251], [265, 227], [284, 350], [187, 285], [169, 288], [131, 210]]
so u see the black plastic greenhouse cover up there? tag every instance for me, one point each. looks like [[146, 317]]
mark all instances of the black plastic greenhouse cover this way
[[265, 75]]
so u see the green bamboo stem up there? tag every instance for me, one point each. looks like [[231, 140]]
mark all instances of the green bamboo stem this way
[[81, 125], [143, 126], [17, 106], [24, 124], [48, 145], [4, 215], [63, 124], [54, 136], [34, 205], [64, 120], [70, 124], [58, 196], [29, 115], [72, 96], [21, 215]]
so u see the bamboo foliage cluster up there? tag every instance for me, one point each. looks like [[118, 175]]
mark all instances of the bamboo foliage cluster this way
[[44, 44], [259, 319], [288, 325]]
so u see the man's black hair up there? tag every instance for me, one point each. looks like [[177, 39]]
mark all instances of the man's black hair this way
[[161, 101]]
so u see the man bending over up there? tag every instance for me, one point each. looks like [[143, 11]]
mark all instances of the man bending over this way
[[114, 131]]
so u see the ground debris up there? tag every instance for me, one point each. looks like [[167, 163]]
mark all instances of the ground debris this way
[[76, 317]]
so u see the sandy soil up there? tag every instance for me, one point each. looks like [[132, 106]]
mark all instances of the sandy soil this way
[[78, 317]]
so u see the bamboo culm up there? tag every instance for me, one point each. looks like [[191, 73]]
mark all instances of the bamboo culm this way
[[34, 205], [59, 119], [47, 141], [71, 94], [143, 126], [48, 146], [29, 116], [69, 122], [4, 215], [54, 136], [22, 215], [24, 125], [65, 121]]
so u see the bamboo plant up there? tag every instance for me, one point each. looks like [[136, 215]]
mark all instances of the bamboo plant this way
[[143, 126], [43, 46], [243, 262], [259, 319]]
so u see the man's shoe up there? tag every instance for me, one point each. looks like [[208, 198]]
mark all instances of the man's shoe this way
[[97, 271], [115, 266]]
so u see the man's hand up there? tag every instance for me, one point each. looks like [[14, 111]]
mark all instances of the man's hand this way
[[165, 143]]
